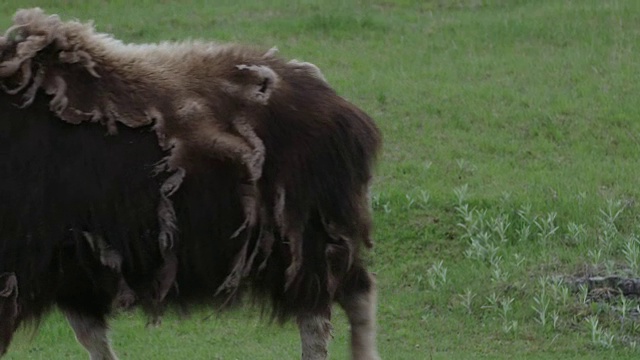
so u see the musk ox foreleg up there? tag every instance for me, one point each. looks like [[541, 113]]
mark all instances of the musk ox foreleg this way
[[358, 299], [315, 334], [8, 309], [92, 333], [110, 258]]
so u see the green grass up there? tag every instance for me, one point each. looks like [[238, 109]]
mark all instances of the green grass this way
[[493, 112]]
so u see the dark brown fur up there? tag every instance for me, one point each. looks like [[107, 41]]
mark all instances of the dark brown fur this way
[[8, 308], [255, 177]]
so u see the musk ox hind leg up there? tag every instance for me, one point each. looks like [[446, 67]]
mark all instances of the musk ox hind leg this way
[[358, 299], [315, 334], [92, 333]]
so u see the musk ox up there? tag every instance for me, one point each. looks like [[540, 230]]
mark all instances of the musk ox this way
[[177, 174]]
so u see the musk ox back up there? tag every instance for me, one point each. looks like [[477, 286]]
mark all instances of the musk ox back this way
[[177, 173]]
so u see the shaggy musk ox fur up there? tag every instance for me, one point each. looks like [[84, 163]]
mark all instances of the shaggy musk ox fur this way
[[177, 173]]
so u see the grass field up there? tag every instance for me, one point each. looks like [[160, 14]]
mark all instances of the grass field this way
[[511, 162]]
